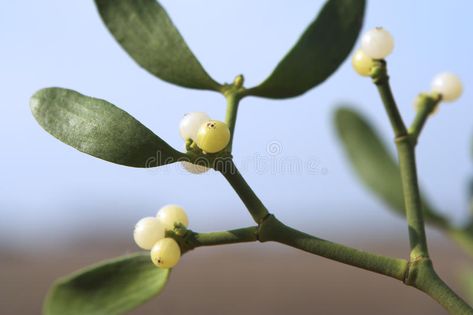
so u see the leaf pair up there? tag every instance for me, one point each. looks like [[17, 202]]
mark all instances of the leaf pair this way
[[375, 166], [148, 35], [145, 31]]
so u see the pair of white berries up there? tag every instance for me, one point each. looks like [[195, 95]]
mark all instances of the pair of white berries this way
[[378, 43], [375, 44], [210, 135], [149, 234]]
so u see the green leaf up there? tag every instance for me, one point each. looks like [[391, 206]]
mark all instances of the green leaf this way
[[147, 34], [98, 128], [319, 52], [375, 166], [110, 287]]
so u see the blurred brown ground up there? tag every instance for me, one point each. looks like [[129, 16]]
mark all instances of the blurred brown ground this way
[[239, 279]]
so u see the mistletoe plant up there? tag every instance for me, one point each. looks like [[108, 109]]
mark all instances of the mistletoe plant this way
[[98, 128]]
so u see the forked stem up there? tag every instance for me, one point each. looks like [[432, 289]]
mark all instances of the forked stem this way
[[417, 272], [420, 272], [422, 276], [407, 164], [271, 229]]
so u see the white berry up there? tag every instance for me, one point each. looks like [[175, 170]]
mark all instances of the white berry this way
[[165, 253], [448, 85], [362, 63], [191, 123], [194, 168], [213, 136], [170, 215], [147, 232], [377, 43]]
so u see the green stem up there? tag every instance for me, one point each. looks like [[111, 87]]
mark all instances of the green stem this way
[[274, 230], [425, 104], [270, 229], [381, 80], [413, 203], [233, 101], [422, 276], [233, 94], [420, 272], [242, 235], [417, 272], [407, 164], [254, 205]]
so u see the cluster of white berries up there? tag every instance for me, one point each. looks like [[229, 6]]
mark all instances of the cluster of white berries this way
[[378, 43], [210, 135], [149, 234], [375, 44]]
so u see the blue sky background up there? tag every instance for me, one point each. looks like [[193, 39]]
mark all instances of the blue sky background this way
[[51, 193]]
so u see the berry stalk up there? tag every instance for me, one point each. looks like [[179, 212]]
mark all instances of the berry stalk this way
[[426, 105], [242, 235], [381, 80]]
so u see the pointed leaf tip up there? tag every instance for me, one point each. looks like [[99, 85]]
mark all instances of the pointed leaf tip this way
[[321, 49]]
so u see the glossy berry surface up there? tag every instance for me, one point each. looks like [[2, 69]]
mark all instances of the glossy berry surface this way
[[170, 215], [191, 123], [377, 43], [213, 136], [165, 253], [448, 85], [362, 63], [147, 232]]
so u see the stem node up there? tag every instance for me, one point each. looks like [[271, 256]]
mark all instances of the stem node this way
[[413, 267]]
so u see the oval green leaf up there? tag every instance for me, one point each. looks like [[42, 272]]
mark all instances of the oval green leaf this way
[[111, 287], [145, 31], [319, 52], [374, 165], [98, 128]]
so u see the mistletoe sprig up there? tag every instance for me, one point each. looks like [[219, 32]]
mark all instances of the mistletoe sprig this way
[[99, 128]]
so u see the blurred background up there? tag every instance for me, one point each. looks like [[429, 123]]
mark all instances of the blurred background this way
[[61, 209]]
